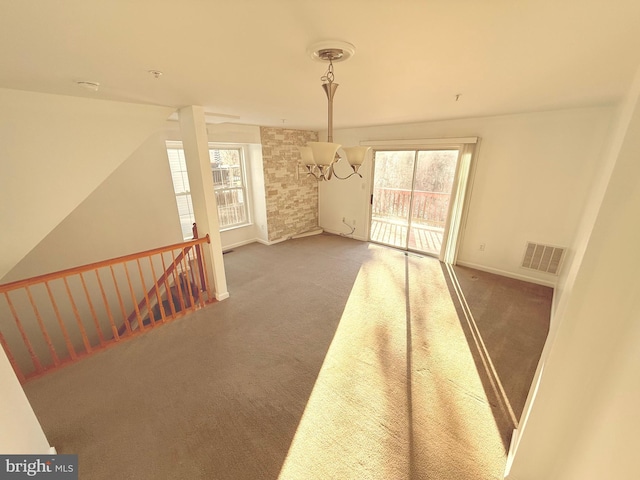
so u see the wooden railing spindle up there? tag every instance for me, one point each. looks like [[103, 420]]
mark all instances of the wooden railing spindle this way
[[168, 289], [63, 328], [83, 333], [43, 329], [192, 281], [93, 311], [34, 358], [146, 295], [114, 329], [195, 275], [158, 296], [177, 260], [124, 313], [190, 285], [176, 282], [133, 297], [185, 276]]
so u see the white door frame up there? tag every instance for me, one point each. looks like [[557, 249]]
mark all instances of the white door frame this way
[[460, 193]]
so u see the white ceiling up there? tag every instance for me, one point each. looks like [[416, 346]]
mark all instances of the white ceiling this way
[[246, 60]]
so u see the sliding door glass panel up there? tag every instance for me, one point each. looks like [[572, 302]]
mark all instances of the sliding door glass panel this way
[[391, 202], [434, 175]]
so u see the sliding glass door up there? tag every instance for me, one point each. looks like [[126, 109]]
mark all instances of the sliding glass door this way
[[391, 201], [411, 196]]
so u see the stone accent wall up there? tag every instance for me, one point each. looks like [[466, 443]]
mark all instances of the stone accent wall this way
[[292, 202]]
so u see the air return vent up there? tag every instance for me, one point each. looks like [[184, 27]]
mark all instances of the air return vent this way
[[543, 258]]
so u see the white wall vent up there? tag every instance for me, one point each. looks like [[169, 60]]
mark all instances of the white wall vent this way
[[544, 258]]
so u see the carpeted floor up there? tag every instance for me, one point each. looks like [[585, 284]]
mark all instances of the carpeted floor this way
[[332, 359]]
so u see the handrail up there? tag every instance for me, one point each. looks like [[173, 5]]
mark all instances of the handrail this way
[[103, 263], [54, 319], [145, 301]]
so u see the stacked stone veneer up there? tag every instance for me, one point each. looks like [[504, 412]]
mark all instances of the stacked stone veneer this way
[[292, 200]]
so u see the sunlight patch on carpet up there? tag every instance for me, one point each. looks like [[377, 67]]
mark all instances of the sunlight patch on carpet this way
[[478, 342], [369, 415]]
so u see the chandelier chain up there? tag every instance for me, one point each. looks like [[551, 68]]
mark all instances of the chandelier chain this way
[[328, 76]]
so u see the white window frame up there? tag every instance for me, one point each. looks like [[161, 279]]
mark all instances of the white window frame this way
[[177, 145], [243, 188], [182, 172]]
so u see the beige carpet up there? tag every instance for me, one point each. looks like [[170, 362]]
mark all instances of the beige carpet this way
[[398, 395], [333, 359]]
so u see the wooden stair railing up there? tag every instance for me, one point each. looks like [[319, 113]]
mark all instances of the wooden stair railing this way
[[183, 293], [52, 320]]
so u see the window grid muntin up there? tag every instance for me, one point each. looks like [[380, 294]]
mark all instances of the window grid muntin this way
[[230, 186]]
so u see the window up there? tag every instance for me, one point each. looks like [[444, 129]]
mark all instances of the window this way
[[230, 186], [181, 187], [227, 169]]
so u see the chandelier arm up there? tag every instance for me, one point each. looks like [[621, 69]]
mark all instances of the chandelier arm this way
[[325, 173], [310, 171], [348, 176], [319, 152]]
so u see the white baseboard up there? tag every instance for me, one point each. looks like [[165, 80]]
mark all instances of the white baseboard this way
[[510, 454], [273, 242], [240, 244], [255, 240], [222, 296], [524, 278], [342, 234], [310, 233], [280, 240]]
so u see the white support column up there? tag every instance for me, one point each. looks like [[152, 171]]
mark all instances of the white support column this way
[[205, 208]]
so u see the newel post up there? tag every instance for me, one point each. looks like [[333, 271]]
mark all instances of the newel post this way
[[199, 257]]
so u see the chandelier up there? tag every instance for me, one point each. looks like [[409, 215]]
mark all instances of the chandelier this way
[[319, 158]]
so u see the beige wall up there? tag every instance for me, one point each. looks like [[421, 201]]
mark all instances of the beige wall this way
[[55, 151], [581, 421], [133, 210], [533, 175], [292, 202]]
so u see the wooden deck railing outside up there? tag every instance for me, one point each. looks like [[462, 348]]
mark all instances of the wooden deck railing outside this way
[[55, 319], [429, 208], [231, 207]]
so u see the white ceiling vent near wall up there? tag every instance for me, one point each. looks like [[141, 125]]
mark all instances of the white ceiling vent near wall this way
[[544, 258]]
